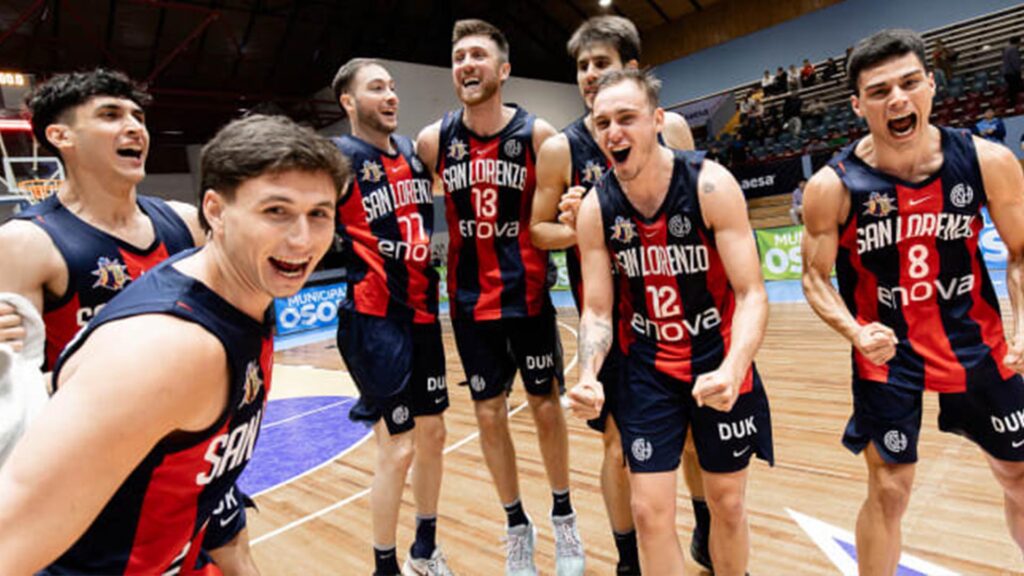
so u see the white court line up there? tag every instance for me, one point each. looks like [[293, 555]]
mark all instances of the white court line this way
[[308, 413], [296, 523]]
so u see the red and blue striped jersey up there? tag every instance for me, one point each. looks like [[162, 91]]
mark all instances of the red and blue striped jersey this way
[[676, 304], [387, 221], [99, 265], [155, 522], [588, 166], [494, 271], [909, 258]]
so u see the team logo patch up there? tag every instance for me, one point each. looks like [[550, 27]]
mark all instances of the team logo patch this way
[[111, 274], [457, 150], [961, 195], [417, 166], [513, 148], [679, 226], [253, 383], [895, 441], [642, 450], [879, 204], [592, 172], [624, 230], [371, 171], [400, 414], [477, 383]]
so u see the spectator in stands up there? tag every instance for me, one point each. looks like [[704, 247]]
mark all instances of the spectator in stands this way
[[1011, 69], [767, 82], [793, 79], [830, 70], [756, 104], [796, 209], [815, 110], [780, 84], [943, 64], [792, 109], [990, 127], [808, 77]]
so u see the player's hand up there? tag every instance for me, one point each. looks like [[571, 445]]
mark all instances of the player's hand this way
[[586, 399], [877, 342], [12, 332], [1014, 359], [717, 390], [569, 205]]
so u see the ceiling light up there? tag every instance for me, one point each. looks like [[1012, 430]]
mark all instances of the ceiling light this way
[[605, 3]]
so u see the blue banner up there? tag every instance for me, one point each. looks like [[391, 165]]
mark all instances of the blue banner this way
[[992, 247], [312, 308]]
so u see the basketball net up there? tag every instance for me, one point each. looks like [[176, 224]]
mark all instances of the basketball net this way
[[38, 190]]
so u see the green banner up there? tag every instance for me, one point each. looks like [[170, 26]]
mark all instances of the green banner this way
[[779, 249]]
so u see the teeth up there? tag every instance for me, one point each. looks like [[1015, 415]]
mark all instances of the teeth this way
[[293, 262]]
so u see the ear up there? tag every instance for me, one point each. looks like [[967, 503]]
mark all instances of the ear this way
[[347, 102], [504, 71], [632, 64], [60, 135], [213, 209], [855, 104], [659, 119]]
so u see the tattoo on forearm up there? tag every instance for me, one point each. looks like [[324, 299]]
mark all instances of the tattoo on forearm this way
[[595, 340], [708, 188]]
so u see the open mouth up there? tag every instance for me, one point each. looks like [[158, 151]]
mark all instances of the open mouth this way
[[130, 153], [470, 82], [903, 126], [620, 155], [290, 268]]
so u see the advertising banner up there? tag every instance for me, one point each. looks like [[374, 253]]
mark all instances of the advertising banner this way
[[779, 249], [311, 308]]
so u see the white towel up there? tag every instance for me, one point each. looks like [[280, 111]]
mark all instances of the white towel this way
[[22, 386]]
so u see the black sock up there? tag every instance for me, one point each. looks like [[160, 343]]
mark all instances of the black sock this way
[[629, 558], [703, 517], [561, 506], [516, 514], [386, 562], [426, 532]]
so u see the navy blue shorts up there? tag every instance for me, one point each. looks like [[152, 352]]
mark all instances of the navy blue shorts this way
[[492, 351], [609, 376], [654, 411], [398, 367], [990, 415], [227, 520]]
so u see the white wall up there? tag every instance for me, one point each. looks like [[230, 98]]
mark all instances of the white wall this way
[[169, 187], [426, 93]]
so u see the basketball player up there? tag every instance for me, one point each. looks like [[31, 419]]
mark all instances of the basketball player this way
[[388, 331], [159, 400], [568, 165], [501, 311], [95, 235], [693, 312], [898, 213]]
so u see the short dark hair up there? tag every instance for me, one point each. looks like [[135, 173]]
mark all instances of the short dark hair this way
[[347, 73], [614, 30], [51, 100], [255, 145], [881, 46], [647, 82], [475, 27]]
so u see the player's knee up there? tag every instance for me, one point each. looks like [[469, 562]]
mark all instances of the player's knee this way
[[892, 495], [652, 513], [398, 453], [491, 414], [727, 506], [432, 434]]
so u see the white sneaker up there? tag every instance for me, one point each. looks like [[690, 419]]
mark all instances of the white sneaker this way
[[433, 566], [569, 557], [519, 550]]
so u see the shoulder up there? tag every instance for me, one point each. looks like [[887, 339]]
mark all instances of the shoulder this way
[[677, 132], [19, 238], [556, 146], [542, 131], [190, 214], [428, 136]]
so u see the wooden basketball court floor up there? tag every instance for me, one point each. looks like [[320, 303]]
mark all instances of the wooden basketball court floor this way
[[319, 523]]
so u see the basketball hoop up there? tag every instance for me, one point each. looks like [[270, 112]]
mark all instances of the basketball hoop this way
[[38, 190]]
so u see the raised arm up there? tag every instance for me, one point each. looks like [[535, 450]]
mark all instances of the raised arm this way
[[596, 327], [554, 168], [1004, 186], [99, 426], [677, 132], [725, 212], [825, 206]]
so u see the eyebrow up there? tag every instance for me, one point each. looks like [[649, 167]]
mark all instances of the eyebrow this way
[[913, 72]]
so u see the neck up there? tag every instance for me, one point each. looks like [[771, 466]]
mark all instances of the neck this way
[[98, 199], [488, 117], [649, 187], [211, 266], [915, 161], [381, 140]]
